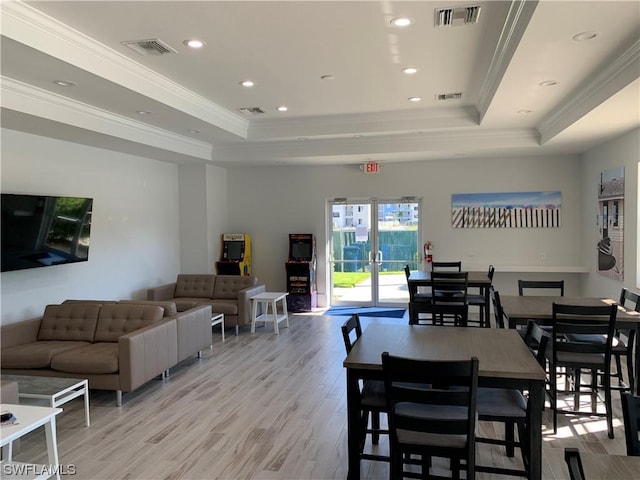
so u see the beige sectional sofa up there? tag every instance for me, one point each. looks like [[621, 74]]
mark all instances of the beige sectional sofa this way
[[115, 345], [228, 294]]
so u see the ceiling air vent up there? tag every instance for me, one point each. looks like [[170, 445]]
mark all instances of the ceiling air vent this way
[[449, 96], [152, 46], [252, 110], [457, 16]]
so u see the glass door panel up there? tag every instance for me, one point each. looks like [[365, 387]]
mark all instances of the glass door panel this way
[[371, 243]]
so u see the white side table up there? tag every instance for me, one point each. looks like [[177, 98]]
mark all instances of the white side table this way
[[269, 299], [29, 418], [218, 319]]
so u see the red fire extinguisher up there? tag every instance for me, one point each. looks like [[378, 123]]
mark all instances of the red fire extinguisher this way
[[428, 252]]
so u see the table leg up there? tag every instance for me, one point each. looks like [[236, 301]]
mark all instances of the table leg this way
[[353, 426], [52, 445], [87, 421], [254, 312], [534, 421], [274, 309], [284, 311]]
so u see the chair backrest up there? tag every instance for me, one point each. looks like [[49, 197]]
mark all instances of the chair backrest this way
[[568, 320], [557, 286], [407, 271], [491, 272], [537, 340], [631, 417], [351, 328], [446, 266], [629, 299], [574, 463], [449, 286], [498, 312], [428, 384]]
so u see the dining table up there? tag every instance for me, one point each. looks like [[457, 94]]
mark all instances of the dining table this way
[[504, 362], [520, 309], [480, 280]]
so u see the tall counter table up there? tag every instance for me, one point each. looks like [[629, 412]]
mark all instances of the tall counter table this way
[[504, 362], [28, 419], [520, 309]]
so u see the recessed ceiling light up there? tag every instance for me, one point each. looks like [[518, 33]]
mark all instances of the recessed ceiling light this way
[[327, 77], [65, 83], [193, 131], [194, 43], [581, 37], [410, 70], [401, 21], [548, 83], [247, 83], [143, 112], [524, 111], [414, 99], [283, 108], [302, 138]]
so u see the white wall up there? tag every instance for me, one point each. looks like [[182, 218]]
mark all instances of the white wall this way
[[135, 239], [624, 152], [269, 203]]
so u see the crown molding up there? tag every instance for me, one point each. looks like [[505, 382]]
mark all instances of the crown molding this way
[[375, 123], [434, 143], [31, 100], [518, 18], [606, 82], [31, 27]]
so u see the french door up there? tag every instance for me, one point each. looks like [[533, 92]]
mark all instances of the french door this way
[[370, 242]]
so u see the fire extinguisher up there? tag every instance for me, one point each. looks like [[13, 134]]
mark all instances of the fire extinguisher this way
[[428, 252]]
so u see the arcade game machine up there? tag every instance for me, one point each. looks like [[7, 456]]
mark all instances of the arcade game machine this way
[[301, 273], [236, 255]]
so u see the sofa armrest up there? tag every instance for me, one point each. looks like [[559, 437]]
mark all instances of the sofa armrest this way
[[163, 292], [244, 303], [194, 330], [20, 333], [146, 353]]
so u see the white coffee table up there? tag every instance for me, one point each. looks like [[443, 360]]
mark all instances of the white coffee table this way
[[269, 299], [56, 391], [218, 319], [28, 419]]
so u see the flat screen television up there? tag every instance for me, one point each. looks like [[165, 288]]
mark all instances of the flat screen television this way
[[41, 231]]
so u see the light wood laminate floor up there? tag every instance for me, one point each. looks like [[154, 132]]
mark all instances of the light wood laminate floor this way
[[260, 406]]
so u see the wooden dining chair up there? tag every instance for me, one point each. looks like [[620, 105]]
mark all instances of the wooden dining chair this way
[[436, 420], [570, 357], [415, 296], [631, 418], [449, 304], [372, 396], [622, 343], [478, 299], [509, 406]]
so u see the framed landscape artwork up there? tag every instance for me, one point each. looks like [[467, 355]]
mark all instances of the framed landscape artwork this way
[[610, 223], [506, 210]]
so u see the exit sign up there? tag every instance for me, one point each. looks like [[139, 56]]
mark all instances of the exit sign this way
[[371, 167]]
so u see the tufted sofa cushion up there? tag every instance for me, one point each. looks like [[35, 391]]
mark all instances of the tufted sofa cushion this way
[[116, 320], [193, 285], [228, 286], [73, 321]]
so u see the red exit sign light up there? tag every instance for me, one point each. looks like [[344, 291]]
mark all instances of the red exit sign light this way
[[372, 167]]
